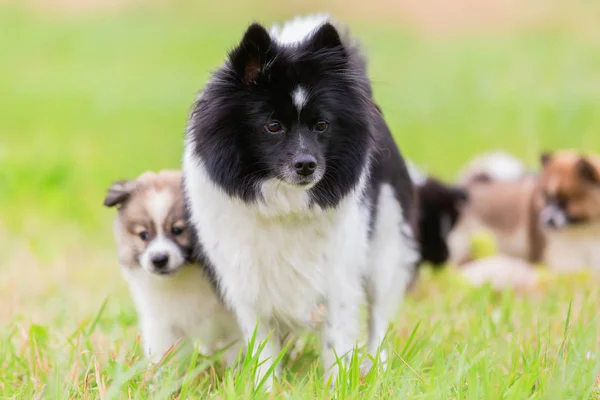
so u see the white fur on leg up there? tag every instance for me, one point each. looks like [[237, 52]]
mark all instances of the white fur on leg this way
[[158, 340], [252, 325], [171, 308], [345, 295], [392, 263]]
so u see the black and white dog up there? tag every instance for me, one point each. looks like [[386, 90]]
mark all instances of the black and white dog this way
[[298, 192]]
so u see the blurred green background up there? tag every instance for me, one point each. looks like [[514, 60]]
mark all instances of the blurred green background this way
[[92, 92]]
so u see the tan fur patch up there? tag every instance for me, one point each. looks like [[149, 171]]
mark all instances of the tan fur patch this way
[[136, 214], [562, 180]]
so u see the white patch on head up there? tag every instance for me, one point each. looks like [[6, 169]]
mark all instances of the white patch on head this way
[[418, 177], [503, 166], [297, 29], [498, 166], [299, 97], [159, 204]]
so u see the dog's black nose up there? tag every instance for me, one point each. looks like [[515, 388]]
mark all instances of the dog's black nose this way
[[160, 260], [305, 165]]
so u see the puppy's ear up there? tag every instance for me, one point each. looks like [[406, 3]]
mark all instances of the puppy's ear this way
[[326, 37], [118, 193], [250, 56], [587, 171], [545, 158]]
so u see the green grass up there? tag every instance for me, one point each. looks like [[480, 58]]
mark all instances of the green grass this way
[[88, 100]]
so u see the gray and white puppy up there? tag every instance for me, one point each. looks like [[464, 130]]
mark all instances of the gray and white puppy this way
[[174, 297]]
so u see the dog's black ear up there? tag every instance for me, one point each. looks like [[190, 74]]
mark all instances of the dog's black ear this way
[[587, 171], [250, 56], [326, 37], [545, 158], [118, 193]]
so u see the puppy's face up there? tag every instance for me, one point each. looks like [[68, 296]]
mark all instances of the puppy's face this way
[[150, 228], [569, 192]]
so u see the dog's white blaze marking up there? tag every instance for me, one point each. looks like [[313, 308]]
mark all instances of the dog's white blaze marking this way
[[297, 29], [300, 98], [159, 205]]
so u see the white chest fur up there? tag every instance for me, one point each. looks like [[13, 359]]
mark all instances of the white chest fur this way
[[182, 306], [573, 249], [274, 255]]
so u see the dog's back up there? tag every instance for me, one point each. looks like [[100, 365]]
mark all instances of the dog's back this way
[[504, 209]]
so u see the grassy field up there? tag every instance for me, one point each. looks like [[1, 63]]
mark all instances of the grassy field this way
[[93, 98]]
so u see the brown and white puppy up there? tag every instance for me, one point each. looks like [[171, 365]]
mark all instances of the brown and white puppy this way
[[174, 298], [568, 202], [553, 217]]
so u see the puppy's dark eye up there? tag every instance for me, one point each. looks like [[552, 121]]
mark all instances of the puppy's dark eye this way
[[321, 126], [176, 230], [143, 235], [274, 127]]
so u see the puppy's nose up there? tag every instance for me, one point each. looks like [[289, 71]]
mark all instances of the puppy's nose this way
[[305, 165], [160, 260]]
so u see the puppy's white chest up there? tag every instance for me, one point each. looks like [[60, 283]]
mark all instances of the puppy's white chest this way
[[575, 249], [185, 303]]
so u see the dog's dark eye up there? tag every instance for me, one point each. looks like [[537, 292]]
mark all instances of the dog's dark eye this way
[[321, 126], [274, 127], [176, 231], [143, 235]]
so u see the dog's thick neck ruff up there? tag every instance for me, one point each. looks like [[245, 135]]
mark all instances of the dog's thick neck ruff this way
[[306, 75]]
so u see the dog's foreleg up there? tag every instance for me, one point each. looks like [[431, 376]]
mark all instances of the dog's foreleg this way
[[342, 324], [253, 327]]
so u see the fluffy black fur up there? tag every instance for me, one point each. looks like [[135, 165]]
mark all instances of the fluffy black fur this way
[[253, 88], [439, 208]]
